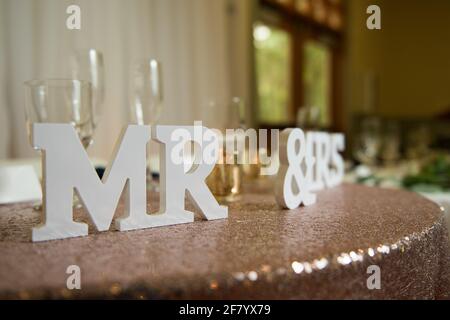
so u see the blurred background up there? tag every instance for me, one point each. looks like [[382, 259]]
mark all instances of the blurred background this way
[[307, 63]]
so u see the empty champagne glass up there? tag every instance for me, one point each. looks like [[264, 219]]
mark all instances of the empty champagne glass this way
[[225, 181], [60, 101], [308, 117], [368, 141], [418, 140], [87, 65], [391, 142], [146, 97]]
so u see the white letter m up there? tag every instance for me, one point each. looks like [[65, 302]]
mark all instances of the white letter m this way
[[66, 166]]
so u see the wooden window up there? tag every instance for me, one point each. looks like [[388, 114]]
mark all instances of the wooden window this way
[[298, 62]]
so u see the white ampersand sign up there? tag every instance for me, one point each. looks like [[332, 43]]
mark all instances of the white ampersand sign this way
[[292, 185]]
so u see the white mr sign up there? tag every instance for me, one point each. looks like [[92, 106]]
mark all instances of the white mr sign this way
[[66, 167]]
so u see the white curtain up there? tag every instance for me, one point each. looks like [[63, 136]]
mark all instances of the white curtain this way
[[191, 38]]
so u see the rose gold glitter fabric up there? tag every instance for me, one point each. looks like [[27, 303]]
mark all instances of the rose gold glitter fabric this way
[[259, 252]]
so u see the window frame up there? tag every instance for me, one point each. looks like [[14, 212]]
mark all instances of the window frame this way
[[301, 30]]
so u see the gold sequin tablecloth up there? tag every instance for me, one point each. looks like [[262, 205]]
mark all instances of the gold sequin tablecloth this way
[[260, 252]]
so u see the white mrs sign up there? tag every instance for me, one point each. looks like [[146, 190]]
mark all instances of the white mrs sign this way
[[308, 163], [66, 167]]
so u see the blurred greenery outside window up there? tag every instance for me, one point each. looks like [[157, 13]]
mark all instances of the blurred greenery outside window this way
[[317, 79], [273, 76], [273, 65]]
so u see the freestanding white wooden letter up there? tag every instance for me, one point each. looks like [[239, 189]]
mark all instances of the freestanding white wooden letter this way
[[292, 187], [66, 166], [174, 181]]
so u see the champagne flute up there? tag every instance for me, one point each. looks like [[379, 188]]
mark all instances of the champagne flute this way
[[87, 65], [146, 97], [368, 141], [225, 180], [60, 101], [308, 118], [390, 144]]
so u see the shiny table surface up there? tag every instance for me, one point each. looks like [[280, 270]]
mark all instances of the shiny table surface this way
[[260, 251]]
